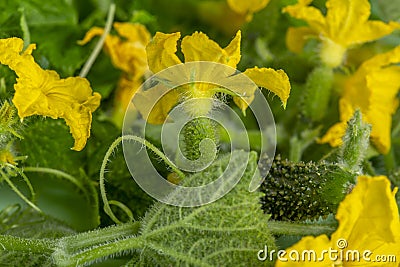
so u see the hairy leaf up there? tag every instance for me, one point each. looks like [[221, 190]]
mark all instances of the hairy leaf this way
[[228, 232], [29, 224]]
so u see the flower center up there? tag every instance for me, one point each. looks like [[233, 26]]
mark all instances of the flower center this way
[[331, 53]]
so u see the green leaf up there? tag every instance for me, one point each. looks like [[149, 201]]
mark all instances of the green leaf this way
[[47, 143], [228, 232], [52, 12], [104, 76], [57, 48], [29, 224], [9, 21], [386, 9]]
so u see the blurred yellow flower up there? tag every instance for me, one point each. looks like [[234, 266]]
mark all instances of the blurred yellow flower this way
[[346, 24], [42, 92], [6, 157], [161, 54], [128, 53], [368, 221], [248, 7], [237, 12], [128, 50], [126, 89], [372, 89]]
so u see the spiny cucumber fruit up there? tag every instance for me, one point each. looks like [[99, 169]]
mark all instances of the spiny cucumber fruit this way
[[300, 191]]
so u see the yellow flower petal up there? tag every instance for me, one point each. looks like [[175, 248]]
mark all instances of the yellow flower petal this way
[[296, 37], [385, 85], [349, 24], [136, 33], [334, 135], [48, 95], [42, 92], [311, 15], [161, 51], [374, 30], [6, 157], [310, 244], [217, 13], [126, 89], [343, 16], [128, 53], [233, 51], [346, 24], [275, 81], [372, 89], [11, 55], [198, 47], [369, 218], [247, 7], [153, 111], [93, 32]]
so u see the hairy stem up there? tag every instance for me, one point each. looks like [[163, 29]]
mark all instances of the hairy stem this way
[[110, 150], [299, 229], [13, 243], [98, 252], [82, 241]]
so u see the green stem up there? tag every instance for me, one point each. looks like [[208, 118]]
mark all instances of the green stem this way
[[82, 241], [81, 248], [13, 243], [58, 173], [99, 45], [317, 92], [28, 183], [19, 193], [296, 150], [98, 252], [123, 207], [299, 229], [110, 150]]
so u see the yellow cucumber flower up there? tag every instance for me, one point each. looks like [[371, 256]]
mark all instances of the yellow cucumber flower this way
[[346, 24], [126, 88], [161, 54], [42, 92], [128, 53], [128, 50], [368, 224], [6, 157], [372, 89], [248, 7], [237, 12]]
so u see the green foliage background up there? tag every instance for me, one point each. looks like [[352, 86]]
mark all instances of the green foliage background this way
[[56, 26]]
